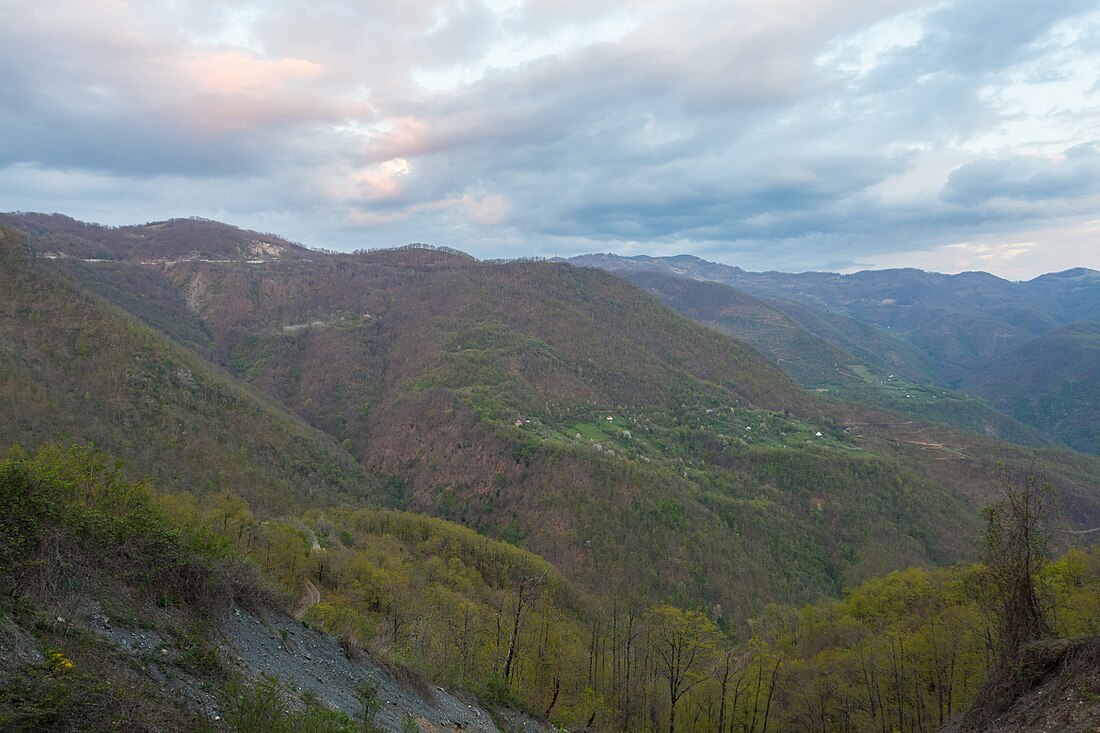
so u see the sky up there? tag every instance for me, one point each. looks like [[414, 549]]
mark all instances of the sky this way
[[770, 134]]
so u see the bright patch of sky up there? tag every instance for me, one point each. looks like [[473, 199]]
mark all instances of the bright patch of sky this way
[[234, 29], [862, 52], [1041, 101], [511, 51]]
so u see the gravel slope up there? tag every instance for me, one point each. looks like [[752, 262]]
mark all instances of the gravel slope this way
[[273, 643]]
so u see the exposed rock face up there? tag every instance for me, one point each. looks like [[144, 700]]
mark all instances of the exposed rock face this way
[[273, 643]]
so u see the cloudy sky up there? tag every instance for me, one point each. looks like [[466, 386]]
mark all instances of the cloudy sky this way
[[771, 134]]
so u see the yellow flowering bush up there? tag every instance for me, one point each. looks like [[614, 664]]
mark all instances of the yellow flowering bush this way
[[57, 661]]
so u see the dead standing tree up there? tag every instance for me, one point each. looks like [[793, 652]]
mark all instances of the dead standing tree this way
[[526, 589], [1016, 546], [1015, 550]]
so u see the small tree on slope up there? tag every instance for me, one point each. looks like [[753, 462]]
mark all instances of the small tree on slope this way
[[1015, 549]]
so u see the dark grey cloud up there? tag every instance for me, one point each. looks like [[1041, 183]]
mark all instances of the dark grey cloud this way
[[1074, 174]]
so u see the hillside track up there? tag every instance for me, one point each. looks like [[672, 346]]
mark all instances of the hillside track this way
[[311, 597]]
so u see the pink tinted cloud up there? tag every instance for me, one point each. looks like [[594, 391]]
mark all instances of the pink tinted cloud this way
[[407, 137], [233, 91], [238, 72], [383, 181], [103, 59]]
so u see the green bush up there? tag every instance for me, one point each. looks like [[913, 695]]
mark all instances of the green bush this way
[[263, 706]]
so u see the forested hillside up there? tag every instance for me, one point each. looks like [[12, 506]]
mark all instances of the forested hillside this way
[[624, 476], [564, 410], [437, 604], [960, 331], [76, 367], [1052, 381], [880, 371]]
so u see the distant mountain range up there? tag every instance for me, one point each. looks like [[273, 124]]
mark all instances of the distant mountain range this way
[[934, 331]]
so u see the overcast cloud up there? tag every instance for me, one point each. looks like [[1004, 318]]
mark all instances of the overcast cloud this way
[[772, 134]]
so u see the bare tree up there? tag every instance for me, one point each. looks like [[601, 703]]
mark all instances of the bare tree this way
[[526, 589], [1016, 547]]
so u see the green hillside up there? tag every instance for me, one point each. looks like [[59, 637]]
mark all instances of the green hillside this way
[[869, 345], [809, 360], [880, 371], [430, 386], [74, 367], [1052, 383], [937, 333]]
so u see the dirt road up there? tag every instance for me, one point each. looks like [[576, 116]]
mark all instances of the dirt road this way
[[311, 598]]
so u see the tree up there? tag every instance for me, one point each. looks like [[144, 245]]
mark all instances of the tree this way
[[231, 516], [1016, 546], [1015, 551], [525, 591], [684, 642]]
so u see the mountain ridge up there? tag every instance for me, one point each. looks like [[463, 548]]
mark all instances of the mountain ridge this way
[[959, 323], [77, 366], [563, 409]]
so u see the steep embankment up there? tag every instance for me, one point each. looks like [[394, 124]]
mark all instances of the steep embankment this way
[[114, 617], [1054, 687]]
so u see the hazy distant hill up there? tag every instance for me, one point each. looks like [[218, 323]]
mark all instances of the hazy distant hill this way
[[952, 329], [959, 320], [879, 376]]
